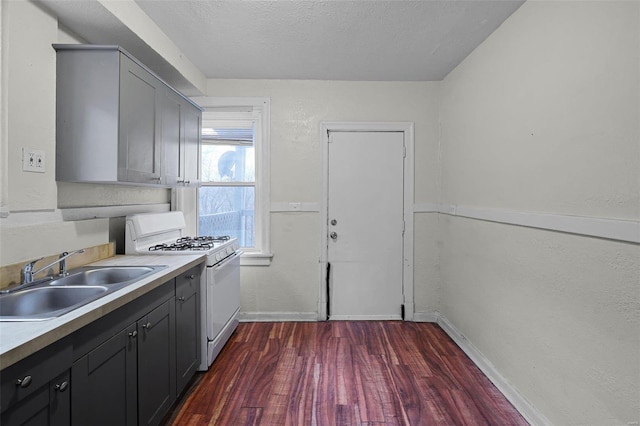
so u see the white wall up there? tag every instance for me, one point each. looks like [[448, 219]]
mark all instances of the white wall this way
[[544, 117], [291, 283]]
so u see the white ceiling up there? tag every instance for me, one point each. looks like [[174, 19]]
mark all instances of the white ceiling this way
[[328, 40], [395, 40]]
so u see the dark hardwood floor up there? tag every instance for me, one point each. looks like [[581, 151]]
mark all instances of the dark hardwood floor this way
[[343, 373]]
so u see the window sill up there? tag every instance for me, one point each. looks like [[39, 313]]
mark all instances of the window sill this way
[[256, 259]]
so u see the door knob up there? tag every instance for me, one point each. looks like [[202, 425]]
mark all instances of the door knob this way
[[334, 222], [333, 235]]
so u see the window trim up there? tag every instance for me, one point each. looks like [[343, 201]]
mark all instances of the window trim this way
[[260, 109]]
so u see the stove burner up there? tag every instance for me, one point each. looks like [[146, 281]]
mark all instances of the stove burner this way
[[190, 243], [204, 238], [179, 246]]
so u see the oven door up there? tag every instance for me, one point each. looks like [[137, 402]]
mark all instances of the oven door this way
[[223, 294]]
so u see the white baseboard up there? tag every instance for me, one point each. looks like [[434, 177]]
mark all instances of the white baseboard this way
[[365, 317], [426, 316], [277, 316], [528, 411]]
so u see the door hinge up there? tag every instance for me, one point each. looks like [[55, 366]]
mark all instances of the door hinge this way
[[403, 227]]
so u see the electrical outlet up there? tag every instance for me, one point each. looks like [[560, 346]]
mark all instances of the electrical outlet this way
[[33, 160]]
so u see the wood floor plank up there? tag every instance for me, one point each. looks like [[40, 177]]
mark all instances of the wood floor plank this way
[[248, 416], [343, 373], [369, 394], [260, 382]]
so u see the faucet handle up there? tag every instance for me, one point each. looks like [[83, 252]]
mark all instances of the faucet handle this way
[[27, 270], [29, 265]]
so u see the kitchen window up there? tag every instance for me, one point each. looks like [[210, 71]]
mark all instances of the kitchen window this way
[[233, 198]]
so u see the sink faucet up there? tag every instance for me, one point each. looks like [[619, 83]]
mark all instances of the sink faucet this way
[[28, 273]]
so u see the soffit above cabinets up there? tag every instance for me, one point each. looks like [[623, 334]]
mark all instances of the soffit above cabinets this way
[[96, 24]]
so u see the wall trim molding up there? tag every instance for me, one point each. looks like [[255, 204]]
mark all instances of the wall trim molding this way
[[528, 411], [294, 206], [28, 218], [278, 316], [612, 229]]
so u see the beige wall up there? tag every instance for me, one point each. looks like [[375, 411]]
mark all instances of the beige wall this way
[[35, 227], [544, 117], [291, 283]]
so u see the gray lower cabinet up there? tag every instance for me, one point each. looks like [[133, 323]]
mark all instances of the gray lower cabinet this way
[[156, 364], [49, 405], [104, 390], [187, 327], [36, 391], [126, 368], [130, 378]]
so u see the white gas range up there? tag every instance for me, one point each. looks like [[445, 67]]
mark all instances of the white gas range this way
[[162, 233]]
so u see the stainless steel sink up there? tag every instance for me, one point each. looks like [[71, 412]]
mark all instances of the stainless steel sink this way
[[51, 298], [104, 276]]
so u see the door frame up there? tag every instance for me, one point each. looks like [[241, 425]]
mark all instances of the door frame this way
[[407, 270]]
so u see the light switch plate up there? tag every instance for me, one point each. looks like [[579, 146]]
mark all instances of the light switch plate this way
[[33, 160]]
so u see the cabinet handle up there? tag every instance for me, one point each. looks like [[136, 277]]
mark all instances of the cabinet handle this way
[[190, 277], [181, 299], [62, 386], [133, 334], [187, 182], [155, 179], [24, 383], [147, 325], [180, 181]]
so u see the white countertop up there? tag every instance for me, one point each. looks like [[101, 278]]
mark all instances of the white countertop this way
[[21, 339]]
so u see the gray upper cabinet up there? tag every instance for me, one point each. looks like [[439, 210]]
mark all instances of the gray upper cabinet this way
[[181, 127], [117, 122]]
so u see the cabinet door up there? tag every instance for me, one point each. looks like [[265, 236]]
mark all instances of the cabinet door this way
[[60, 400], [50, 405], [192, 124], [139, 154], [187, 327], [172, 107], [104, 390], [33, 410], [156, 364]]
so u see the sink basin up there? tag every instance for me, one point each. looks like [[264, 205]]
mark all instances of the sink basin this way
[[51, 298], [104, 276], [46, 302]]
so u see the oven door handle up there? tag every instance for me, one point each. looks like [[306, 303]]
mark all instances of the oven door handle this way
[[225, 262]]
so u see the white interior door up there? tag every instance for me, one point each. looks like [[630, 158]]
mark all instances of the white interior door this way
[[365, 224]]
